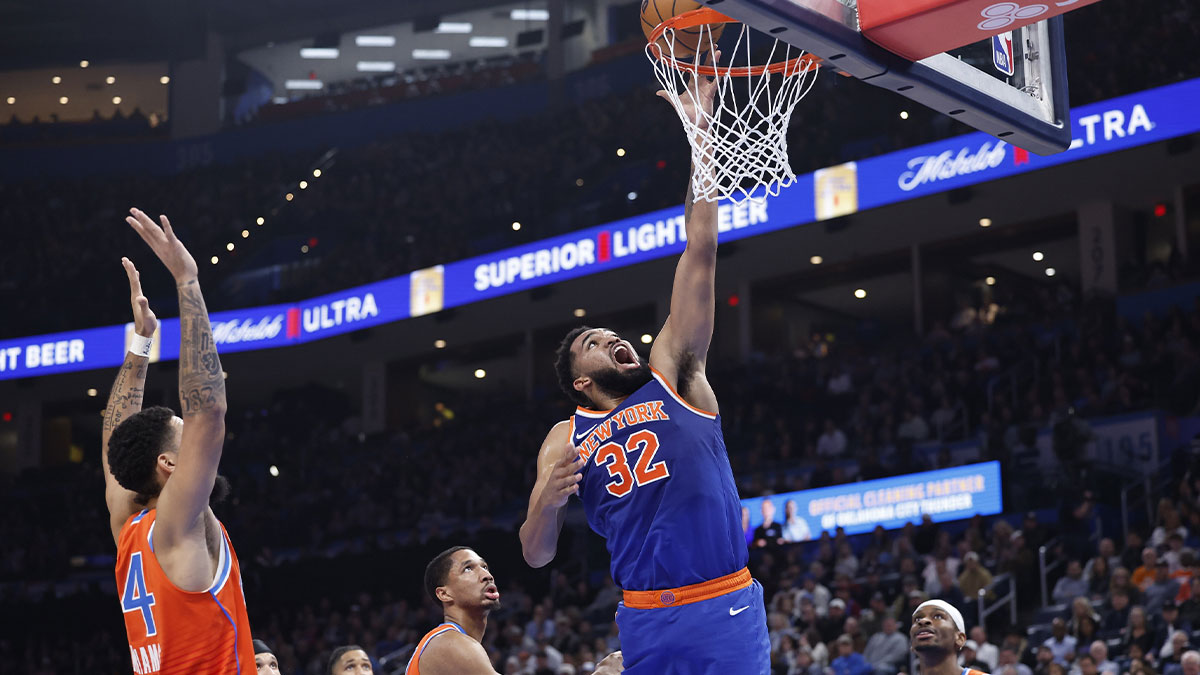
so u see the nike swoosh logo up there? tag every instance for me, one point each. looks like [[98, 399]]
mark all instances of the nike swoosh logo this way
[[735, 612], [579, 437]]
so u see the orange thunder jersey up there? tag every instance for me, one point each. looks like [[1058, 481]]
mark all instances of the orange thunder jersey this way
[[172, 631]]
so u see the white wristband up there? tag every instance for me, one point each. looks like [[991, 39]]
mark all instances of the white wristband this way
[[140, 345]]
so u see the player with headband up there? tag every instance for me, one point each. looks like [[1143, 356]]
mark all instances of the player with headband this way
[[937, 636]]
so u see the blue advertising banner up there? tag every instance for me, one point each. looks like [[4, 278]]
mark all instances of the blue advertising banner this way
[[1120, 123], [945, 494]]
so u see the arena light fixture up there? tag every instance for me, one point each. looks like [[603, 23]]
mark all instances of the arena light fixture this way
[[261, 220], [164, 80], [903, 114], [620, 152], [985, 222], [375, 40], [56, 79], [631, 196], [522, 14], [116, 100], [63, 100], [274, 471], [647, 338], [92, 392], [306, 85], [316, 173], [303, 185], [458, 27], [110, 80], [375, 66], [84, 63], [578, 182], [1038, 256], [990, 281], [245, 234], [319, 52], [816, 260], [579, 312], [439, 344], [213, 260], [516, 226], [480, 373], [304, 248], [431, 54], [860, 293], [229, 246], [1050, 271], [11, 100], [487, 41]]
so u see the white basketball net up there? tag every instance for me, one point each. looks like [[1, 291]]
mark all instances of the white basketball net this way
[[739, 150]]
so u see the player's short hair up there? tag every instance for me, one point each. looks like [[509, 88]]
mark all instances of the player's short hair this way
[[261, 647], [338, 654], [564, 366], [438, 569], [133, 451]]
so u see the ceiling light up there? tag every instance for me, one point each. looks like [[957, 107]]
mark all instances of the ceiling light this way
[[990, 281], [487, 41], [530, 15], [375, 66], [229, 246], [11, 100], [303, 185], [631, 196], [579, 182], [516, 226], [431, 54], [116, 100], [303, 84], [816, 260], [319, 52], [91, 392], [110, 80], [439, 344], [261, 220], [245, 234], [375, 40], [84, 63], [620, 152], [63, 100], [304, 248], [903, 114], [1050, 271], [453, 27], [316, 173], [289, 196], [860, 293], [164, 80], [480, 373], [985, 222], [1038, 256], [647, 338], [213, 260], [580, 312], [274, 471], [56, 79]]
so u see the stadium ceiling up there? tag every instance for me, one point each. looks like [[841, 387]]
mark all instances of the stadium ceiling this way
[[57, 32]]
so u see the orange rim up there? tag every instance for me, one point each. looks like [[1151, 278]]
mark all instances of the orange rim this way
[[707, 16]]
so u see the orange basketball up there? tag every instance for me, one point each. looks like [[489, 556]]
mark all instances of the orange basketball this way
[[687, 40]]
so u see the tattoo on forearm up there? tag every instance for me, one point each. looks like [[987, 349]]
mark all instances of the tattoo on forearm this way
[[127, 392], [201, 382]]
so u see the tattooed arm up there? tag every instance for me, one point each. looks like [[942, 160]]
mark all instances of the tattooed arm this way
[[125, 399], [183, 503]]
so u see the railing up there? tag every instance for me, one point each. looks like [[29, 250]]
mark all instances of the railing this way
[[1044, 569], [1010, 599], [1147, 484]]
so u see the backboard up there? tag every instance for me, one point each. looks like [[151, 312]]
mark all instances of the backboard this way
[[972, 84]]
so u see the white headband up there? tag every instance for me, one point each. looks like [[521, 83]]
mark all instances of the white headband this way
[[954, 613]]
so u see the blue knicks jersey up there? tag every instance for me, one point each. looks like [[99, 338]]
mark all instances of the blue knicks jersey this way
[[658, 487]]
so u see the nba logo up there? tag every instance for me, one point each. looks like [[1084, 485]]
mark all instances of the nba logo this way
[[1002, 53]]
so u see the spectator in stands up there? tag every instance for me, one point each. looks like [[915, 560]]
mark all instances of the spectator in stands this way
[[770, 533], [1036, 534], [969, 657], [1143, 576], [832, 442], [985, 651], [1043, 660], [974, 577], [913, 429], [1169, 523], [832, 624], [1084, 665], [1162, 589], [1174, 552], [1099, 653], [1170, 627], [795, 527], [1060, 644], [887, 650], [1105, 549], [817, 592], [1190, 609], [848, 661], [1070, 586], [1009, 664], [1081, 612], [1097, 573], [1137, 633], [1189, 664], [820, 653], [1131, 557], [1122, 583]]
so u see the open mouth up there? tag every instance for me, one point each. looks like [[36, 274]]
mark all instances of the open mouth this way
[[491, 593], [923, 634], [624, 356]]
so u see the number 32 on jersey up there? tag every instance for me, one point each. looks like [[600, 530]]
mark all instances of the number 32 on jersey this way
[[615, 458]]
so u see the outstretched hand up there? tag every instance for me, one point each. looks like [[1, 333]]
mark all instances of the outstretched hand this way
[[165, 244], [144, 321], [563, 476], [696, 103]]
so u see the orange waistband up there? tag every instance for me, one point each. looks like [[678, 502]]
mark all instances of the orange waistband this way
[[686, 595]]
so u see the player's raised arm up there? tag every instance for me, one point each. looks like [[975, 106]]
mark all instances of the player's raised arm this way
[[558, 467], [681, 349], [125, 398], [184, 498]]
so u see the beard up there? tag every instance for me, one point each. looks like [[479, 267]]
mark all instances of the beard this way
[[220, 491], [620, 382]]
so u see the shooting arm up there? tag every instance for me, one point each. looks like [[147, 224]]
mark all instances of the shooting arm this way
[[124, 400]]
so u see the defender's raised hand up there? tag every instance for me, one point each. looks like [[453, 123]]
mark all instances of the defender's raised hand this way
[[144, 321], [165, 244], [697, 102], [562, 480]]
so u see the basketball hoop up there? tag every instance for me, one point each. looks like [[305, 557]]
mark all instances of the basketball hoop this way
[[739, 149]]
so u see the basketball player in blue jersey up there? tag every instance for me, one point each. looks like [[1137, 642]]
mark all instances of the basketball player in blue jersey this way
[[937, 636], [645, 454]]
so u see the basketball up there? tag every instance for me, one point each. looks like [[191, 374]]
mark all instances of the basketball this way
[[687, 40]]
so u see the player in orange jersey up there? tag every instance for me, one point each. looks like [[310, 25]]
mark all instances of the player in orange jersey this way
[[937, 636], [178, 578]]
